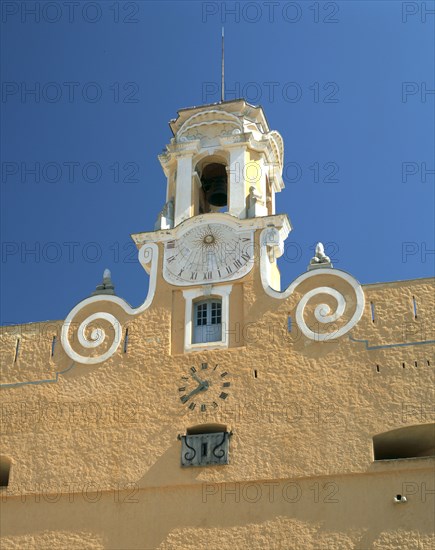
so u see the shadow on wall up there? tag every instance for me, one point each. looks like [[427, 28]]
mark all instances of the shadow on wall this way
[[149, 518]]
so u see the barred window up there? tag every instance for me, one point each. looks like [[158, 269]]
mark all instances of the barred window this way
[[206, 445]]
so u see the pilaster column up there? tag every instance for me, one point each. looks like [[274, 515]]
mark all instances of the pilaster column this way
[[183, 189], [236, 182]]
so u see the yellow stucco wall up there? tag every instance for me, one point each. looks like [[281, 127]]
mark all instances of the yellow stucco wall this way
[[96, 460], [326, 513]]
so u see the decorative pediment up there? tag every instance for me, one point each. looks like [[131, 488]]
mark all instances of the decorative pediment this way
[[210, 123]]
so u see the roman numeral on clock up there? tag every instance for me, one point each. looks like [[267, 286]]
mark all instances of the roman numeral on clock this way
[[171, 259], [238, 264], [246, 257], [193, 276], [208, 275]]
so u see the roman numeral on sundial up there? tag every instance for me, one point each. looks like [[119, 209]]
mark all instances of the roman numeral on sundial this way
[[238, 264]]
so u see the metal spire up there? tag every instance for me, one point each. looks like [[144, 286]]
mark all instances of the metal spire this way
[[223, 68]]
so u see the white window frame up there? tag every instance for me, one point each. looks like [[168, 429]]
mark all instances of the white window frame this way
[[206, 292]]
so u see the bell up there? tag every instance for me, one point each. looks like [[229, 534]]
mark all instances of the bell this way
[[215, 190], [214, 183]]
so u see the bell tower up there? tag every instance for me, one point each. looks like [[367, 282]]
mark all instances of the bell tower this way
[[222, 158], [216, 239]]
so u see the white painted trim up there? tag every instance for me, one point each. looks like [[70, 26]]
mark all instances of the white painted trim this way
[[183, 188], [148, 254], [192, 294], [322, 311], [206, 123], [263, 181], [279, 220], [187, 124], [236, 182], [278, 144], [206, 346]]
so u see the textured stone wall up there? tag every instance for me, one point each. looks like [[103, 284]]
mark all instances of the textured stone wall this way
[[102, 439]]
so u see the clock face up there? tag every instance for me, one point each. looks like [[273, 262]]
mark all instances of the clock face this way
[[207, 253], [204, 388]]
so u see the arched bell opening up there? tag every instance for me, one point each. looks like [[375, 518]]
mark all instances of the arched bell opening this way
[[214, 188]]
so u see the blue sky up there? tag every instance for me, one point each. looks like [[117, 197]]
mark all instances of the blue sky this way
[[347, 84]]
